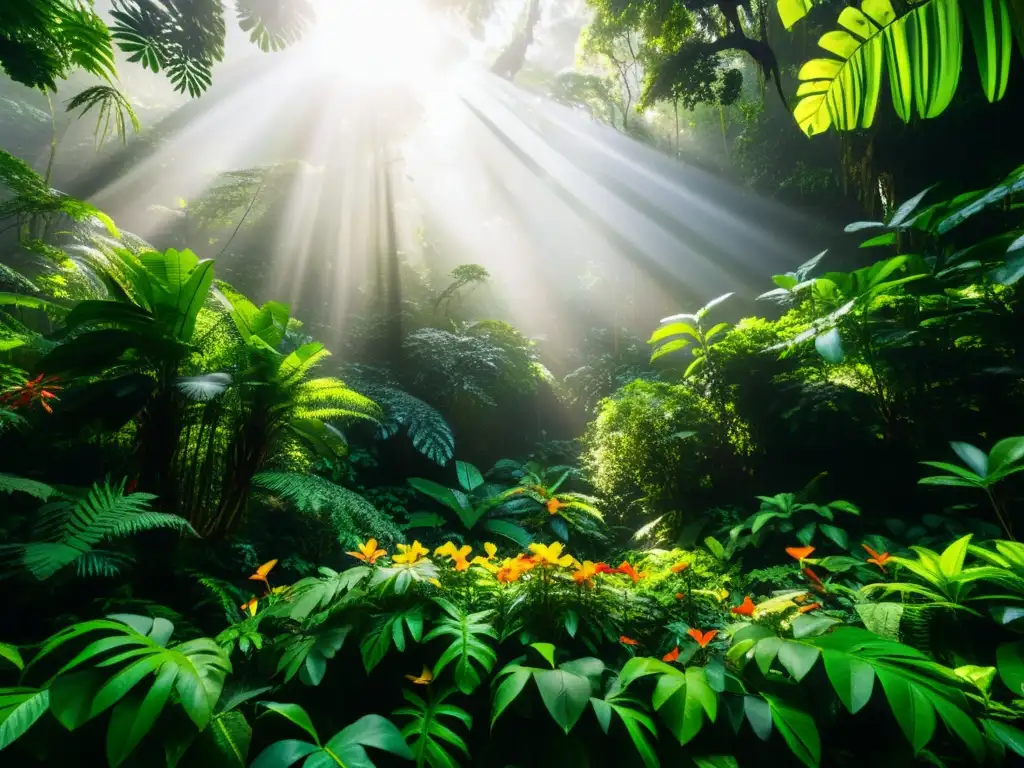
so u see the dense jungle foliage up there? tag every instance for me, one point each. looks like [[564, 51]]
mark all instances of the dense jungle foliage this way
[[788, 538]]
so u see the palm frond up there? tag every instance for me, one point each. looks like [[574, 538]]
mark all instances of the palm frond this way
[[186, 40], [115, 112], [273, 25], [353, 517]]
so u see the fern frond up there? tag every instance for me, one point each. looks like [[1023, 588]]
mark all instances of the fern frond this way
[[12, 483], [328, 413], [353, 517], [224, 594], [9, 418], [102, 563], [330, 391], [75, 526], [426, 427]]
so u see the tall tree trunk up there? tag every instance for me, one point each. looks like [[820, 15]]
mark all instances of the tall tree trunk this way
[[511, 60]]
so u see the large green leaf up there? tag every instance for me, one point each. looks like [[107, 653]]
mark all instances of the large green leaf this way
[[922, 50], [123, 657], [1010, 664], [844, 90], [368, 731], [992, 33], [508, 691], [469, 476], [791, 11], [190, 299], [564, 694], [798, 729], [19, 710], [444, 495], [468, 649]]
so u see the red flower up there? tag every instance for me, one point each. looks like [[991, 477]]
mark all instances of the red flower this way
[[746, 608], [626, 568], [628, 640], [703, 638], [605, 568], [40, 389], [671, 655], [817, 583], [878, 559]]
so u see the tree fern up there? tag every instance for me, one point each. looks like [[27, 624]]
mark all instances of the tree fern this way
[[70, 528], [354, 518]]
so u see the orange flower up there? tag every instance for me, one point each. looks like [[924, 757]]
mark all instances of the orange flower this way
[[512, 568], [605, 568], [816, 582], [424, 678], [554, 505], [680, 596], [703, 638], [368, 552], [671, 655], [250, 607], [627, 569], [680, 566], [801, 598], [811, 607], [746, 608], [799, 553], [263, 571], [628, 640], [878, 559]]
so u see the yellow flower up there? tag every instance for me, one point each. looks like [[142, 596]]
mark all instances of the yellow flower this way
[[486, 562], [368, 552], [550, 554], [435, 582], [584, 573], [410, 554], [262, 572], [424, 677], [457, 556], [446, 550], [250, 606]]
